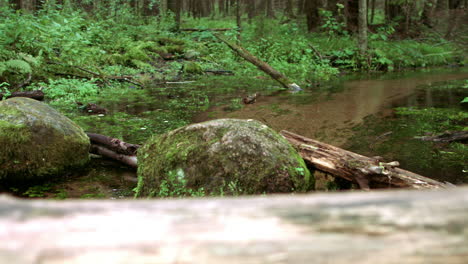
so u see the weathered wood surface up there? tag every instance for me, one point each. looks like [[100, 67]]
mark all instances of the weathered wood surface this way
[[114, 148], [113, 144], [361, 227], [365, 171], [263, 66]]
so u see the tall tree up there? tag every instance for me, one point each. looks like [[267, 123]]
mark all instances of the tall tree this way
[[270, 12], [352, 15], [362, 35], [175, 7], [312, 13]]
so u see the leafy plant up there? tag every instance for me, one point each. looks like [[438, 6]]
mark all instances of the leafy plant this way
[[175, 186]]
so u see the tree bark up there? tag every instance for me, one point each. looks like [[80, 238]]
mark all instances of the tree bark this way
[[428, 12], [362, 35], [312, 15], [263, 66], [365, 171], [36, 95], [128, 160], [114, 149], [340, 228], [353, 14], [113, 144]]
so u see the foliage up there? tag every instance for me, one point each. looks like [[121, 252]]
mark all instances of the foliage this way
[[37, 191], [330, 23], [175, 186]]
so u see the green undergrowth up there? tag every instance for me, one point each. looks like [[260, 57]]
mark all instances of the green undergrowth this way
[[54, 43]]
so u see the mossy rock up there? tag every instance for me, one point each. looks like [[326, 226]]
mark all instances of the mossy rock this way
[[192, 68], [37, 141], [224, 156]]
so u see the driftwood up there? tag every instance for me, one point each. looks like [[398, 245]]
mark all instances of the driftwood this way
[[365, 171], [114, 149], [113, 144], [128, 160], [261, 65], [36, 94], [390, 227], [451, 136]]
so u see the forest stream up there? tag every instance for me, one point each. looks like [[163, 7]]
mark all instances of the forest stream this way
[[354, 112]]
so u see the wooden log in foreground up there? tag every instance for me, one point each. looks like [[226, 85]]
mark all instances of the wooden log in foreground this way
[[361, 227], [263, 66], [365, 171]]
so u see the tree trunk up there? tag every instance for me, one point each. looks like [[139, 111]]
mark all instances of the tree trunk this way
[[428, 12], [175, 7], [365, 171], [339, 228], [270, 13], [263, 66], [362, 36], [289, 11], [352, 15], [373, 12], [36, 95], [313, 19], [239, 22]]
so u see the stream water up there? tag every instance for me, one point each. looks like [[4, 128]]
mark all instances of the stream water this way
[[357, 114], [353, 112]]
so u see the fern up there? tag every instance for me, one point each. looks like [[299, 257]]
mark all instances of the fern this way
[[18, 66]]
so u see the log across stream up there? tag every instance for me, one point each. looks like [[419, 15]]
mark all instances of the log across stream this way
[[366, 172]]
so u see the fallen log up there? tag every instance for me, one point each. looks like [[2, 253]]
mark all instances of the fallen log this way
[[114, 149], [206, 29], [366, 172], [389, 227], [261, 65], [450, 136], [113, 144], [128, 160], [36, 94]]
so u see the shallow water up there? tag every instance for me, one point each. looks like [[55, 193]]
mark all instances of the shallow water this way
[[329, 113], [357, 113], [335, 112]]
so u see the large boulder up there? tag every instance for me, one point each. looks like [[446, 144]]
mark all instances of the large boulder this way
[[224, 156], [37, 141]]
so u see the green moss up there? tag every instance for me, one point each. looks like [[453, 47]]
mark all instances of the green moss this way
[[37, 141], [176, 49], [213, 156], [192, 68]]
